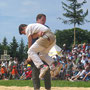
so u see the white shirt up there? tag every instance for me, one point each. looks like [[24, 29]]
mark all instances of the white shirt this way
[[80, 73], [35, 28]]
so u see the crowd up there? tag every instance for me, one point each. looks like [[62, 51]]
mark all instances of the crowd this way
[[13, 70], [71, 65], [75, 64]]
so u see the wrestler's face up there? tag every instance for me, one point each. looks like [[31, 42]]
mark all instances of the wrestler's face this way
[[23, 31], [42, 20]]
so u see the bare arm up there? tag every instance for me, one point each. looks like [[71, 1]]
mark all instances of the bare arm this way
[[86, 75], [76, 77], [39, 34], [35, 35], [29, 41]]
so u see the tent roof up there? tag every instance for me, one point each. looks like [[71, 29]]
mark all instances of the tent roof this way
[[54, 50]]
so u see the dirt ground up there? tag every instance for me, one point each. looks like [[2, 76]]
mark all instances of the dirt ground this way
[[42, 88]]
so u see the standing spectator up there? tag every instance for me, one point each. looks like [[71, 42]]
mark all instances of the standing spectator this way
[[4, 72], [15, 74]]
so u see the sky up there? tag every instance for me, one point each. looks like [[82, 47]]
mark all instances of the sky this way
[[16, 12]]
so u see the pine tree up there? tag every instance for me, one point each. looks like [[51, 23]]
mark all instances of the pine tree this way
[[13, 48], [74, 13], [4, 45], [4, 42], [21, 53]]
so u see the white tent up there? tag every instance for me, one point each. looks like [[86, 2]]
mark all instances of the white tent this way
[[55, 50]]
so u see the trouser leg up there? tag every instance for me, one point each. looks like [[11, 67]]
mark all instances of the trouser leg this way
[[44, 55], [47, 80], [35, 78], [32, 52]]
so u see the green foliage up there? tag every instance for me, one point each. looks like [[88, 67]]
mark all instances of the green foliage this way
[[21, 52], [26, 49], [13, 48], [74, 12], [66, 37], [4, 46], [4, 42]]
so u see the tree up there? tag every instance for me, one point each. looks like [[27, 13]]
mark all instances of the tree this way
[[1, 50], [21, 53], [4, 46], [26, 49], [13, 48], [66, 37], [4, 42], [75, 14]]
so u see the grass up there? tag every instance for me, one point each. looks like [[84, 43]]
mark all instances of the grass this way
[[55, 83]]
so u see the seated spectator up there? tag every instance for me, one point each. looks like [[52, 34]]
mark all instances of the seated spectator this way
[[86, 64], [79, 76], [23, 76], [55, 72], [28, 73], [57, 58], [84, 59], [80, 64], [69, 72], [86, 75], [89, 59]]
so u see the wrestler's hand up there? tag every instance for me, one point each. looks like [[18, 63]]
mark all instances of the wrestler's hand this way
[[40, 33], [27, 61]]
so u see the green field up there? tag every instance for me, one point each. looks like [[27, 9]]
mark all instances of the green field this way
[[55, 83]]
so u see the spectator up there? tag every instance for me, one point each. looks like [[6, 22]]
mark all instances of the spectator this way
[[79, 76], [84, 59], [23, 76], [15, 74], [3, 72], [28, 73], [69, 68], [86, 75]]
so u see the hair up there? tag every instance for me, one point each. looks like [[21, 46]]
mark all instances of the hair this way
[[80, 67], [39, 16], [21, 28]]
